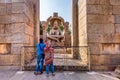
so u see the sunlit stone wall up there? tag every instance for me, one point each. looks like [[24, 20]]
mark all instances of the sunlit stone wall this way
[[103, 28], [19, 26]]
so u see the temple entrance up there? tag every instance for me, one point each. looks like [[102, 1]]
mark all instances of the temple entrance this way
[[69, 55]]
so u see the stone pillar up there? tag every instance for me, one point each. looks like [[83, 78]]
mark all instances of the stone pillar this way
[[82, 31], [37, 21], [67, 35], [75, 40]]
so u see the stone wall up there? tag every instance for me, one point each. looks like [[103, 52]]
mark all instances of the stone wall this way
[[103, 18], [17, 27]]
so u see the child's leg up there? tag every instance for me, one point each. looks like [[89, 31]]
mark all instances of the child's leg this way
[[41, 65], [52, 67], [47, 69], [37, 64]]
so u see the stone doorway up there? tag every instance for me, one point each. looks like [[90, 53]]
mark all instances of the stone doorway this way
[[79, 52]]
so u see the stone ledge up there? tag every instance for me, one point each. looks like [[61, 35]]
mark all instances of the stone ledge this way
[[10, 60], [9, 68], [60, 68]]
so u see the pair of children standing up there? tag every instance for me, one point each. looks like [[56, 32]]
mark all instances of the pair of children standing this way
[[44, 51]]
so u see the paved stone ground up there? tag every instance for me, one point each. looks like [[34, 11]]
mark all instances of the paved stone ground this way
[[63, 60], [27, 75]]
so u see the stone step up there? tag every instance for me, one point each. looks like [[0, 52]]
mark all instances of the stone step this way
[[60, 68], [62, 62], [117, 71], [62, 51]]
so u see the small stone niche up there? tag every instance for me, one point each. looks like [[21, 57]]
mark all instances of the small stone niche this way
[[5, 49]]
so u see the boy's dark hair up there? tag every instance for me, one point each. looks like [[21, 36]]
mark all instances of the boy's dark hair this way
[[41, 40]]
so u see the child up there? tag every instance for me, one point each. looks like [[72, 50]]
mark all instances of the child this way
[[40, 57], [49, 55]]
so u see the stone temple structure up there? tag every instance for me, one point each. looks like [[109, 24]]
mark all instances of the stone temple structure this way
[[19, 26], [56, 30], [96, 24]]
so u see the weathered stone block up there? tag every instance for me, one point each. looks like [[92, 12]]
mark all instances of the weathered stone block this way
[[2, 10], [29, 39], [9, 8], [97, 59], [115, 2], [29, 13], [29, 30], [2, 39], [16, 48], [17, 28], [10, 60], [5, 19], [107, 48], [92, 1], [17, 18], [117, 19], [18, 38], [95, 37], [105, 2], [117, 28], [28, 21], [94, 48], [95, 28], [1, 29], [94, 9], [5, 29], [1, 59], [18, 7], [5, 38], [107, 38], [111, 38], [26, 38], [106, 9], [115, 59], [116, 9], [108, 28], [116, 38], [100, 19]]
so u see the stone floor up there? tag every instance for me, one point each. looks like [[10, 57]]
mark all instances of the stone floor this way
[[20, 75], [64, 60]]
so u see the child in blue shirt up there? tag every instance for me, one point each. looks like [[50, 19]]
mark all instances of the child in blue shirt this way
[[40, 57]]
